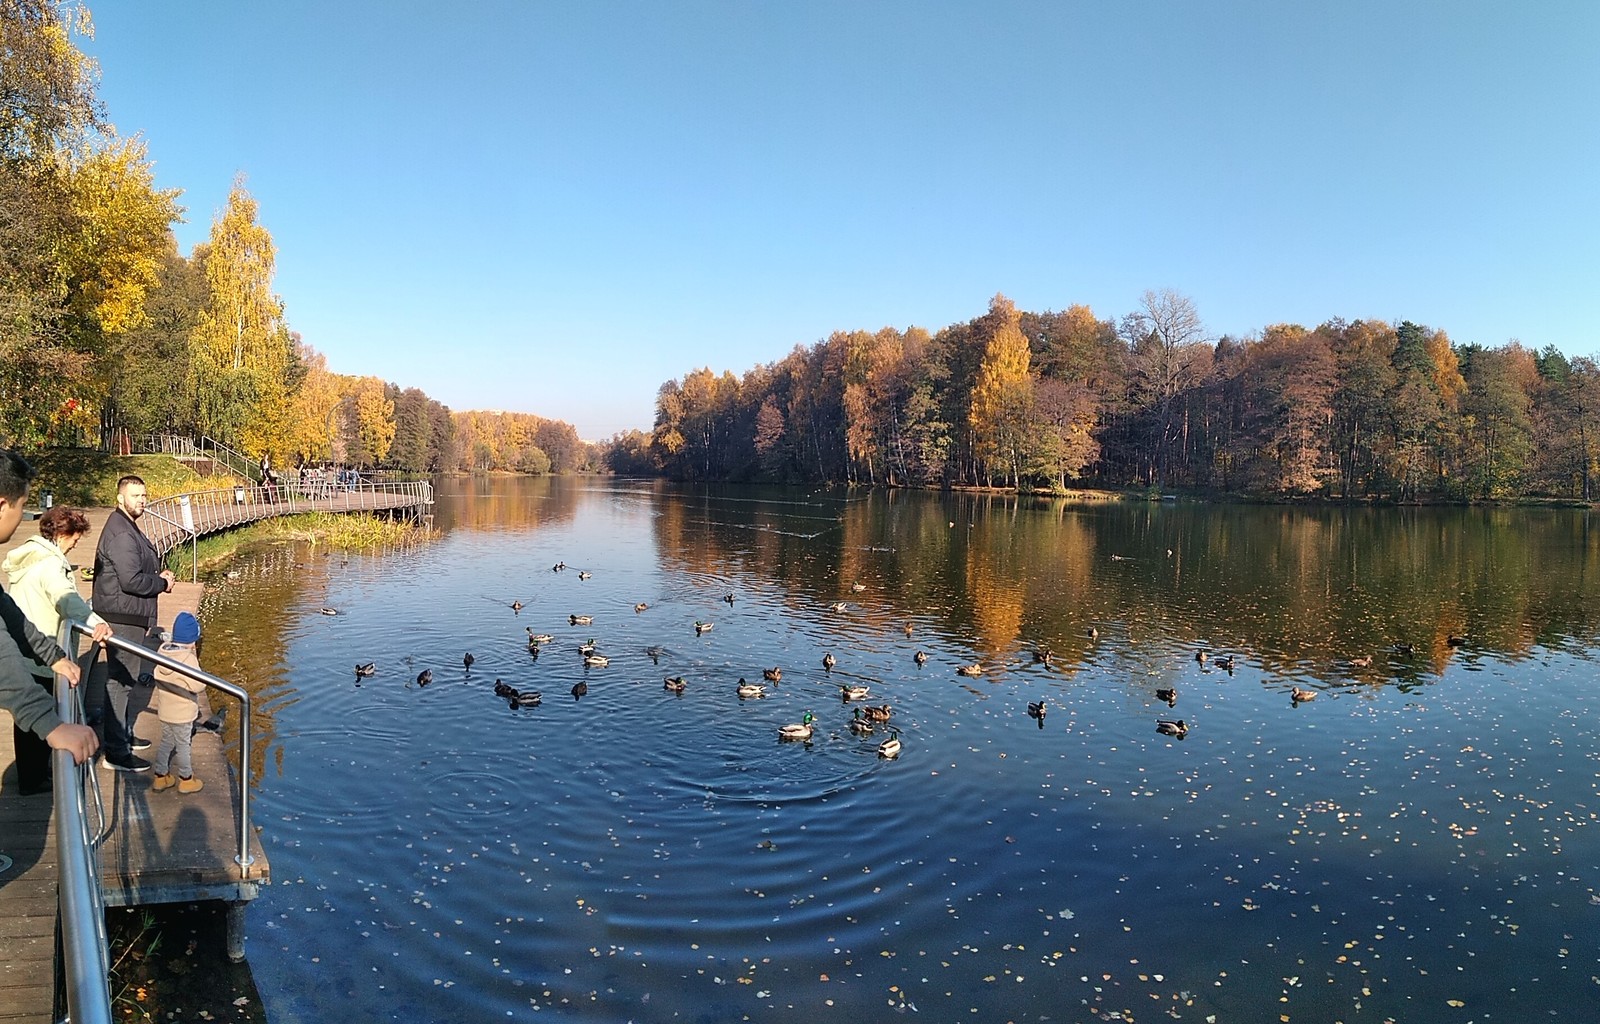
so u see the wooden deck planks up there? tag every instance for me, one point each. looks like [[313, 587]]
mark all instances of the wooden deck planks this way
[[27, 895]]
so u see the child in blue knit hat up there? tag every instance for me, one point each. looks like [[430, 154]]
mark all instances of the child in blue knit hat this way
[[177, 705]]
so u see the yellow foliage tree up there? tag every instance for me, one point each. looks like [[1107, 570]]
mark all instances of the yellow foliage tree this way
[[311, 427], [374, 419], [1002, 394]]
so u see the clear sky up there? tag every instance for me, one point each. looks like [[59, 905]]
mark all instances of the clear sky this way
[[557, 207]]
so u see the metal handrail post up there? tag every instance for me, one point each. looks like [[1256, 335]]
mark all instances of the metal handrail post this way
[[85, 950]]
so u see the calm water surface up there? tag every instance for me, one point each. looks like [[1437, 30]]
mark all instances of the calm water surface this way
[[1415, 844]]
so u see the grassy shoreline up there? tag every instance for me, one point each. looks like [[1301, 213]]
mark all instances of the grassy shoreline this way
[[342, 531]]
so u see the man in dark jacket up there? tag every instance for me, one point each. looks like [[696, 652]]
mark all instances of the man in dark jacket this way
[[128, 579], [30, 705]]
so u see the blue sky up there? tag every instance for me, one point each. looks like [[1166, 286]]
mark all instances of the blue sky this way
[[556, 207]]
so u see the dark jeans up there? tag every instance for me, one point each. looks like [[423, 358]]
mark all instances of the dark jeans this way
[[111, 681], [33, 754]]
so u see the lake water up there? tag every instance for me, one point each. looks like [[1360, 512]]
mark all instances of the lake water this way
[[1416, 844]]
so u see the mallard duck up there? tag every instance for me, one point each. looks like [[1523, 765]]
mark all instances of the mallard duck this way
[[655, 654], [857, 587], [1201, 656], [425, 677], [503, 689], [849, 692], [1403, 649], [641, 606], [1094, 634], [921, 657], [908, 629], [328, 611], [585, 575], [728, 597], [1042, 656], [581, 620], [880, 713], [587, 647], [595, 661], [702, 627], [579, 689], [1170, 696], [1365, 661], [1225, 663], [1037, 709], [746, 690], [363, 671], [676, 684], [772, 675], [890, 748], [860, 724], [1300, 696], [517, 606], [466, 661], [838, 606], [1180, 728], [558, 567], [539, 638], [828, 661], [797, 731], [525, 699], [1455, 640], [974, 669]]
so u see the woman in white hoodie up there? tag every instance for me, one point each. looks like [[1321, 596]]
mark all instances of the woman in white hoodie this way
[[40, 580]]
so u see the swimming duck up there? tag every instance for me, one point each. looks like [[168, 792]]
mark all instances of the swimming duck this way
[[581, 620], [363, 671], [655, 654], [1201, 656], [908, 629], [860, 724], [974, 669], [849, 692], [466, 661], [517, 606], [579, 689], [1455, 640], [329, 611], [503, 689], [425, 677], [880, 713], [1365, 661], [1299, 696], [1226, 663], [587, 647], [747, 690], [828, 661], [539, 638], [1403, 649], [1180, 728], [702, 627], [857, 587], [890, 748], [585, 575], [921, 657], [1170, 696], [676, 684], [728, 597], [558, 567], [838, 606], [1042, 656], [1094, 634], [772, 675], [524, 699], [595, 661], [641, 606], [797, 731], [1037, 709]]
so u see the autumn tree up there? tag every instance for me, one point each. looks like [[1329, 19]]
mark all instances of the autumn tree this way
[[373, 413], [1002, 395], [1166, 357]]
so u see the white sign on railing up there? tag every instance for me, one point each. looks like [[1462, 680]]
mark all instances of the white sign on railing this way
[[186, 513]]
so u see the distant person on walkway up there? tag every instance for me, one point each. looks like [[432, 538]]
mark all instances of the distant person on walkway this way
[[128, 579], [42, 585], [23, 645], [178, 706]]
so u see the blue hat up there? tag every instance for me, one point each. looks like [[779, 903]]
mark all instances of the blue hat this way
[[186, 629]]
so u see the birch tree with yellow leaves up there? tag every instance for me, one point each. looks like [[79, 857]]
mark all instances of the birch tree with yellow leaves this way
[[1002, 396]]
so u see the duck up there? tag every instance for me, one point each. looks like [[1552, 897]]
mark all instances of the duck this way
[[1455, 640], [849, 692], [524, 699], [517, 606], [828, 661], [1094, 633], [772, 675], [974, 669], [1170, 696], [504, 689], [921, 657], [1299, 696], [655, 654], [838, 606], [857, 587], [728, 597], [587, 647], [908, 629], [425, 677], [558, 567], [1201, 656], [676, 684], [641, 606], [880, 713], [592, 660], [1042, 656], [860, 724], [466, 661], [369, 669], [748, 690], [702, 627], [1403, 649], [585, 575], [539, 638], [1180, 728], [579, 689], [1365, 661], [1037, 709], [799, 730], [328, 611], [890, 748], [1226, 663], [581, 620]]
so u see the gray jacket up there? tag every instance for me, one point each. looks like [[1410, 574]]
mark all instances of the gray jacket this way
[[21, 648]]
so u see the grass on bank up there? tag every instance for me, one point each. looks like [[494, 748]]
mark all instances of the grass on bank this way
[[341, 531], [88, 477]]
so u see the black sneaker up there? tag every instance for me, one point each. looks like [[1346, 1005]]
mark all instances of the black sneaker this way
[[125, 763], [138, 744]]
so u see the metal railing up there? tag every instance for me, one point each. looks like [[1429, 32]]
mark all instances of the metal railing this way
[[85, 954]]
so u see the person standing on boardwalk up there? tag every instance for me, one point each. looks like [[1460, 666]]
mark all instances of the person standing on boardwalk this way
[[178, 705], [41, 583], [128, 579], [31, 706]]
